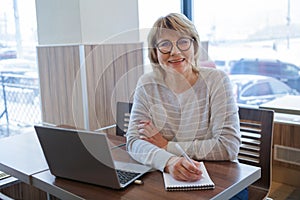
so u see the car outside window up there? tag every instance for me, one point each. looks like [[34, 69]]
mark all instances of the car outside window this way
[[269, 69], [289, 70], [244, 67], [260, 89], [280, 88]]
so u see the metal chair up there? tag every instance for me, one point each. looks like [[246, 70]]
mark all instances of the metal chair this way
[[256, 126]]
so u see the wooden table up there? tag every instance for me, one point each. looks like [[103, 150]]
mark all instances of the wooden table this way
[[26, 161], [229, 178], [21, 156]]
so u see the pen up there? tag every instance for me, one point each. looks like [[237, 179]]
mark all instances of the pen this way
[[120, 145], [184, 154]]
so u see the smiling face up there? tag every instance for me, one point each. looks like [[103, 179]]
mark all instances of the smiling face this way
[[176, 60]]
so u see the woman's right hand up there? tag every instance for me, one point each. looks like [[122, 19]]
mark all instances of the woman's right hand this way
[[182, 170]]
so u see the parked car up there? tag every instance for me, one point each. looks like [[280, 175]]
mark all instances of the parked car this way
[[7, 53], [224, 65], [253, 90], [286, 72], [12, 69]]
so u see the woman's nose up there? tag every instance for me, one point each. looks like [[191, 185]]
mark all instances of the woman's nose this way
[[174, 49]]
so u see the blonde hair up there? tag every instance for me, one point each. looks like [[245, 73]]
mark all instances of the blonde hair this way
[[177, 22]]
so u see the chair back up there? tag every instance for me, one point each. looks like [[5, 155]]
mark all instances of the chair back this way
[[123, 115], [256, 126]]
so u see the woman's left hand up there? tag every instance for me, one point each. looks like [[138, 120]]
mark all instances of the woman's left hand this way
[[150, 133]]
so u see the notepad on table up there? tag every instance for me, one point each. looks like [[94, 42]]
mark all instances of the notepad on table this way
[[204, 183]]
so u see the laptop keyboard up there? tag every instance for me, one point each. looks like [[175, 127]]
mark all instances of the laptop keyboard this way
[[125, 176]]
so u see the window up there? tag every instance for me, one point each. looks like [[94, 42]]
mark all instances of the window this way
[[149, 12], [19, 84], [258, 37]]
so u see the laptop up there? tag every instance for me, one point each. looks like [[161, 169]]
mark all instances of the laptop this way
[[85, 156]]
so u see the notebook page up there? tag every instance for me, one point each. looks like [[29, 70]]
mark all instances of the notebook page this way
[[204, 183]]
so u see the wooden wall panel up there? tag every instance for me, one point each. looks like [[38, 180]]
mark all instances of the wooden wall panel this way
[[112, 73], [286, 135], [60, 84]]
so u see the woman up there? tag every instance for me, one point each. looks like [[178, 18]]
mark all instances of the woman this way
[[181, 102]]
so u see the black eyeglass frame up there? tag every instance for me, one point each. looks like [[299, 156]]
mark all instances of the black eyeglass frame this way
[[191, 41]]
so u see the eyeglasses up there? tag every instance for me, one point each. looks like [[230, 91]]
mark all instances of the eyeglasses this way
[[166, 46]]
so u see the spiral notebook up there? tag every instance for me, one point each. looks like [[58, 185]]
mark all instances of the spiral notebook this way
[[204, 183]]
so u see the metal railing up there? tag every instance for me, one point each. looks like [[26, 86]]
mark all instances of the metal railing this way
[[19, 100]]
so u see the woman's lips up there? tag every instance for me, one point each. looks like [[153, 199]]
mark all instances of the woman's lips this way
[[177, 60]]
